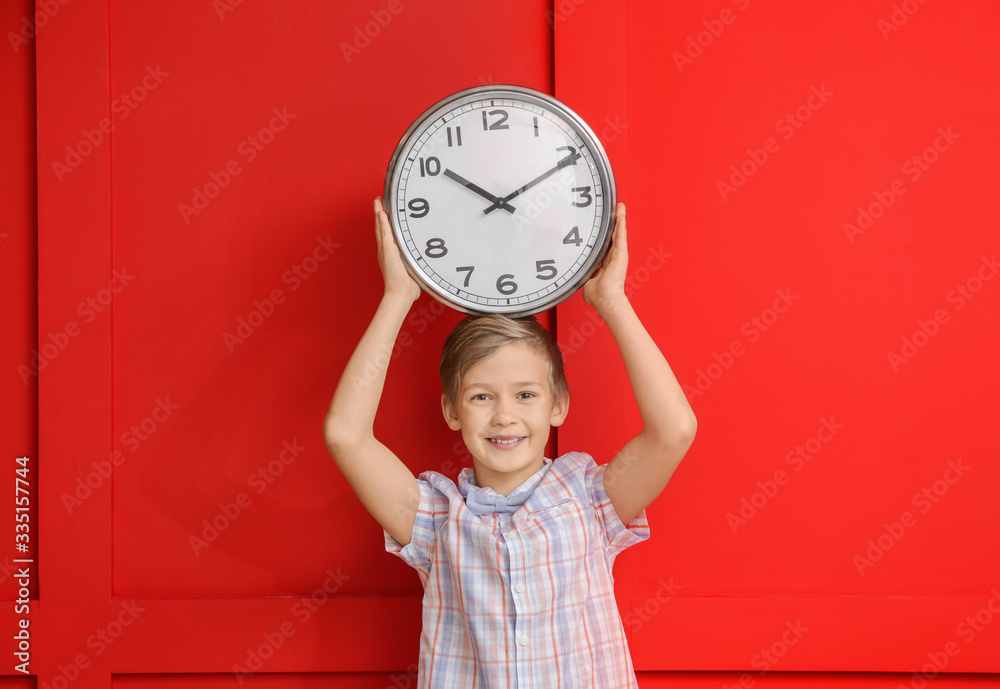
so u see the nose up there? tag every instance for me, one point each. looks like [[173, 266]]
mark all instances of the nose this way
[[503, 412]]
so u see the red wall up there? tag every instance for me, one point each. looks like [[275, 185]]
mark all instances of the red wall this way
[[790, 324], [212, 253]]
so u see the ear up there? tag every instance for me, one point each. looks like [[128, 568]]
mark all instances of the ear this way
[[560, 409], [450, 417]]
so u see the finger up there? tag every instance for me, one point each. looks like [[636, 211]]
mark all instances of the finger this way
[[382, 221], [377, 207], [619, 237]]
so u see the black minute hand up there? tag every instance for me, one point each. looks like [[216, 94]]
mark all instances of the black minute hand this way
[[497, 202], [565, 162]]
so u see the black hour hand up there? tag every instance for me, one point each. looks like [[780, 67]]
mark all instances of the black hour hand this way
[[497, 201]]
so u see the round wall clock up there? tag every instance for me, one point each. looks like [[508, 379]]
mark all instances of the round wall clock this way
[[502, 200]]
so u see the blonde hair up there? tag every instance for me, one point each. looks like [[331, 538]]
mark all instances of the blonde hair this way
[[473, 339]]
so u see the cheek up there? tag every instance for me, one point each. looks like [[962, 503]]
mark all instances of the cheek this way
[[539, 418]]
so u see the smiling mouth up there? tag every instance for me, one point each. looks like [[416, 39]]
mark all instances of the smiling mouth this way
[[505, 441]]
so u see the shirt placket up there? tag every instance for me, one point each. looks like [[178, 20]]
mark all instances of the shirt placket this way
[[519, 633]]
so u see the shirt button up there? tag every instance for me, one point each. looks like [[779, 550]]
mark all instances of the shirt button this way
[[523, 641], [519, 588], [509, 534]]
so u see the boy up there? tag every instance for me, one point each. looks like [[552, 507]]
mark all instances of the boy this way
[[516, 559]]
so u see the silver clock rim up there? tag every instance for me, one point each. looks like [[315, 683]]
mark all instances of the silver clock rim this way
[[604, 170]]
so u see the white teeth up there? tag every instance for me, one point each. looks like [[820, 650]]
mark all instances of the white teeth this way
[[503, 442]]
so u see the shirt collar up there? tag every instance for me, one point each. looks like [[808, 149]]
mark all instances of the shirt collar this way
[[467, 480]]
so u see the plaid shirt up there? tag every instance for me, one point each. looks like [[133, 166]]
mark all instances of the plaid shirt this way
[[524, 599]]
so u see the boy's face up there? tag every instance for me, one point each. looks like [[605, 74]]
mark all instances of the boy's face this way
[[505, 409]]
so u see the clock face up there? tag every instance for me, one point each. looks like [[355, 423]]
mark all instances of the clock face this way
[[502, 200]]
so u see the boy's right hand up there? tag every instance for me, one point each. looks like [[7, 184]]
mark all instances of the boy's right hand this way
[[394, 274]]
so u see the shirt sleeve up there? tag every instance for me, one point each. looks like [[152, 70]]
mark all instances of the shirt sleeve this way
[[619, 536], [431, 512]]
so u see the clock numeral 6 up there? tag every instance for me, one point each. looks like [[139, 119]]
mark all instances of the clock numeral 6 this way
[[585, 197], [573, 237], [419, 208], [432, 167], [546, 269], [435, 248], [499, 124], [468, 273], [506, 284]]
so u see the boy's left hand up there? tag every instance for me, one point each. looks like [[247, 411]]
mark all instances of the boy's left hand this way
[[607, 286]]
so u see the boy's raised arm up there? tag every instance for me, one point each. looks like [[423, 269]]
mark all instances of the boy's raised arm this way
[[385, 486], [640, 471]]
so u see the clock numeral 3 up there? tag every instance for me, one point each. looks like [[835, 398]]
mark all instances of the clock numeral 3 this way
[[468, 274], [585, 197], [432, 166], [435, 248], [419, 208], [573, 237], [546, 269], [499, 124], [506, 284]]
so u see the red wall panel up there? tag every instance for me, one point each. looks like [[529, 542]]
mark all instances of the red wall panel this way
[[832, 482], [207, 201], [204, 173]]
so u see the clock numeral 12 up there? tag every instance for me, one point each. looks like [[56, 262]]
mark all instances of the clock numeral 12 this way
[[499, 124]]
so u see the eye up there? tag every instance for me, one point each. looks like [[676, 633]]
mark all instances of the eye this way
[[526, 395], [481, 397]]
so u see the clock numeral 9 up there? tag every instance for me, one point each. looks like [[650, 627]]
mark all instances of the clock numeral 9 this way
[[546, 269], [435, 248], [584, 196], [432, 167], [506, 284], [499, 124], [573, 237], [419, 208]]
